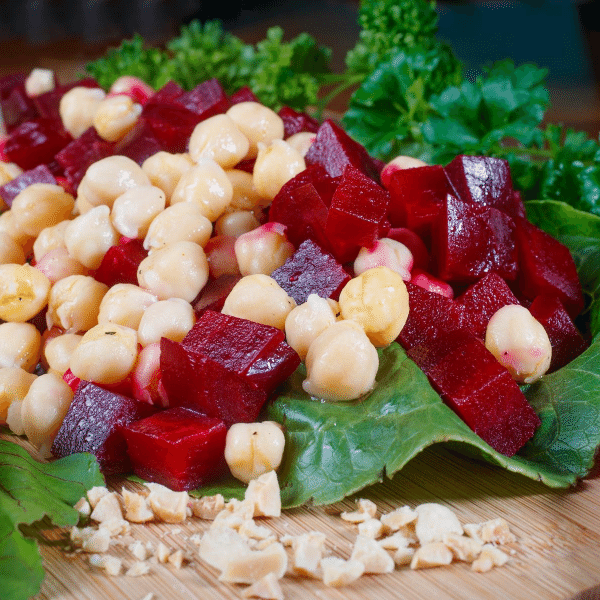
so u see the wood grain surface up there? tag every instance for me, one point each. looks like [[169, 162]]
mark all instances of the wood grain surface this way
[[556, 556]]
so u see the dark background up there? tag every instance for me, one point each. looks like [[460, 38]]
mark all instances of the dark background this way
[[563, 35]]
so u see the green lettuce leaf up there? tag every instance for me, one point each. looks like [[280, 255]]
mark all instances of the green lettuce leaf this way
[[29, 492]]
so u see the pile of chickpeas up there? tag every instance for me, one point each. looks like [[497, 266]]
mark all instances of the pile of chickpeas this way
[[199, 218]]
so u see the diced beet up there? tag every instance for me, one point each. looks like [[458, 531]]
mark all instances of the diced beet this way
[[246, 165], [334, 149], [93, 424], [244, 94], [566, 341], [431, 284], [17, 107], [205, 100], [48, 103], [120, 263], [311, 270], [470, 241], [483, 180], [171, 125], [140, 144], [71, 380], [430, 314], [9, 82], [35, 142], [40, 174], [76, 157], [167, 93], [214, 293], [295, 122], [414, 243], [177, 447], [357, 212], [547, 268], [482, 300], [518, 207], [317, 176], [479, 389]]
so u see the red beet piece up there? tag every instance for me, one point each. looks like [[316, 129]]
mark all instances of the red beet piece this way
[[244, 94], [17, 107], [36, 142], [93, 424], [177, 447], [205, 100], [295, 122], [482, 300], [167, 93], [171, 125], [417, 197], [12, 189], [214, 293], [414, 243], [121, 262], [48, 104], [9, 82], [140, 144], [316, 175], [356, 214], [76, 157], [311, 270], [479, 389], [566, 341], [483, 180], [471, 241], [547, 268], [430, 314], [334, 149]]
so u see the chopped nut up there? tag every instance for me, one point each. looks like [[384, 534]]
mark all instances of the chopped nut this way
[[83, 507], [338, 572], [372, 528], [95, 494], [149, 596], [497, 531], [138, 550], [107, 508], [462, 547], [434, 522], [218, 545], [98, 541], [372, 555], [207, 507], [251, 530], [228, 520], [394, 542], [116, 526], [176, 559], [136, 507], [168, 506], [473, 530], [265, 495], [403, 556], [162, 553], [431, 554], [399, 518], [489, 558], [196, 538], [307, 553], [138, 568], [262, 544], [366, 510], [253, 565], [241, 508], [111, 564], [267, 588]]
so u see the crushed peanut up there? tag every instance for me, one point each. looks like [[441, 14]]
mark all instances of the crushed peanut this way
[[138, 569], [374, 558], [111, 564], [366, 510], [168, 506], [338, 572], [267, 588], [136, 507], [207, 507], [489, 558]]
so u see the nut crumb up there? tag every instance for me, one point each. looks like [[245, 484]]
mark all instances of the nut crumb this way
[[111, 564], [267, 588], [366, 510], [138, 569], [176, 559], [207, 507]]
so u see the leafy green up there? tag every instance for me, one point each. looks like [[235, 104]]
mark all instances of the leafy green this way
[[30, 491]]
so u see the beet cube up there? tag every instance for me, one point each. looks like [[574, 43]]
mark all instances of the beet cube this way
[[40, 174], [178, 448], [9, 82], [17, 107], [171, 124], [140, 145], [547, 268], [479, 389], [120, 263], [316, 175], [295, 122], [311, 270], [482, 300], [167, 93], [93, 424], [566, 341], [205, 100], [356, 215], [214, 293], [48, 104], [244, 94], [471, 241]]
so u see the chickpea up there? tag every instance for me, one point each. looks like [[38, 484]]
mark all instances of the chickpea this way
[[74, 303], [259, 298], [234, 224], [82, 205], [14, 385], [165, 170], [219, 139], [10, 251], [77, 108], [341, 363], [58, 351], [39, 81], [58, 264], [134, 210], [124, 304], [146, 377], [44, 409], [182, 222], [378, 301], [106, 179], [307, 321], [23, 292], [179, 270], [116, 116], [8, 171], [220, 253], [275, 165], [245, 195], [171, 319], [116, 345], [385, 253], [519, 342], [13, 416], [20, 345], [263, 250], [49, 239], [301, 141], [397, 164], [89, 236], [133, 87], [207, 186], [9, 225], [258, 123], [252, 449]]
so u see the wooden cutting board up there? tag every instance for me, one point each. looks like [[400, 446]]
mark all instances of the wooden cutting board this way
[[557, 555]]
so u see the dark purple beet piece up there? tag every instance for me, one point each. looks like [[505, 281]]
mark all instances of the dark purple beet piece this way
[[214, 293], [316, 175], [171, 124], [17, 107], [295, 122], [48, 103], [167, 93], [93, 424], [311, 270], [9, 82], [470, 241], [357, 212], [177, 447], [244, 94], [480, 390], [120, 263], [483, 180], [334, 149], [10, 190], [205, 100], [140, 145], [547, 268], [482, 300], [566, 341]]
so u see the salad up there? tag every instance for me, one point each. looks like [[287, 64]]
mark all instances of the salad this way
[[427, 76]]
